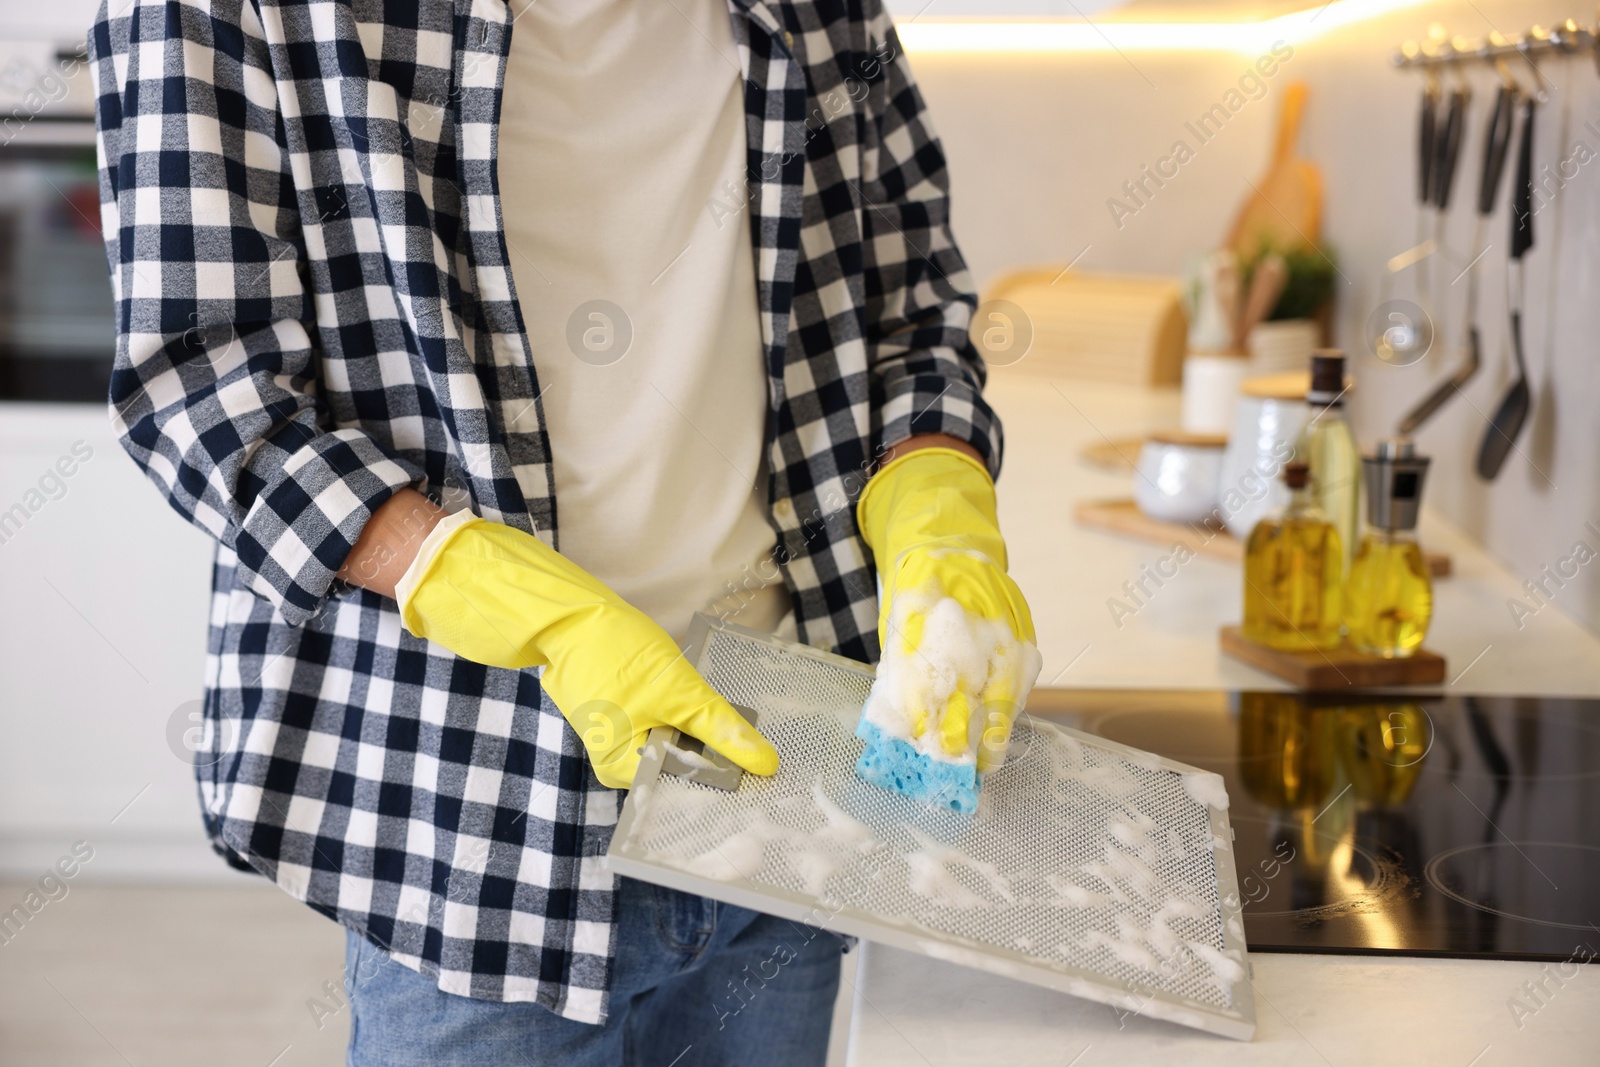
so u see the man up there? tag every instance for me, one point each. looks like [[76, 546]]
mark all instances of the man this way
[[393, 282]]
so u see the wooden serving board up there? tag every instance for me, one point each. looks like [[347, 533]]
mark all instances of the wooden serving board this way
[[1337, 668], [1123, 516], [1117, 456]]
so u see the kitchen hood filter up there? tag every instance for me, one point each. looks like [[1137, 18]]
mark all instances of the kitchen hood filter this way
[[1089, 867]]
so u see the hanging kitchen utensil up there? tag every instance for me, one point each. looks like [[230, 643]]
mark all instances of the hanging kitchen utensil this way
[[1427, 152], [1089, 867], [1496, 143], [1402, 337], [1427, 125], [1509, 417], [1447, 153]]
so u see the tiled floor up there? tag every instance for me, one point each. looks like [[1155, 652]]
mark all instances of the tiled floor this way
[[170, 977]]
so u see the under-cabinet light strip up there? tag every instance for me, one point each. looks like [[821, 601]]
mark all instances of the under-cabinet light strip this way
[[921, 35]]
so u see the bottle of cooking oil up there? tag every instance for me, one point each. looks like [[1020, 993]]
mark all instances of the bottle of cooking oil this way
[[1328, 446], [1294, 573], [1389, 593]]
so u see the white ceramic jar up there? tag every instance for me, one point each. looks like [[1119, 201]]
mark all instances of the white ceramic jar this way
[[1267, 420], [1210, 390], [1178, 475]]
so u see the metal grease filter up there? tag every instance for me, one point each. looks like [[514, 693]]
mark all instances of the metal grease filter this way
[[1089, 867]]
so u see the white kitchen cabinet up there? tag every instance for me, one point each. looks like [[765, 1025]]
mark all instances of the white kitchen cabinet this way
[[103, 599]]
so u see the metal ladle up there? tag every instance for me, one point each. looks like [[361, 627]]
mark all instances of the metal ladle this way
[[1403, 338]]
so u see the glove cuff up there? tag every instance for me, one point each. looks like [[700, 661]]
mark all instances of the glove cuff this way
[[427, 554], [928, 496]]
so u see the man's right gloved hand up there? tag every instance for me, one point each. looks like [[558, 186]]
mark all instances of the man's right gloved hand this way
[[497, 596]]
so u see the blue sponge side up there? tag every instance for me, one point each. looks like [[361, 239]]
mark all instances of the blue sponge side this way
[[890, 763]]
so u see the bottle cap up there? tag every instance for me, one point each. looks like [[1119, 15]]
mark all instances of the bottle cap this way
[[1296, 474], [1395, 475], [1327, 377]]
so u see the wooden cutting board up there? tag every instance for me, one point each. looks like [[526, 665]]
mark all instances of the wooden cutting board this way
[[1283, 209], [1124, 517], [1338, 668]]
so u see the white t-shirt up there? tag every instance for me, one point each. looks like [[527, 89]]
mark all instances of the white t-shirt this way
[[621, 120]]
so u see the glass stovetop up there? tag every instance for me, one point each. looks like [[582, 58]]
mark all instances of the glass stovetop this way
[[1440, 825]]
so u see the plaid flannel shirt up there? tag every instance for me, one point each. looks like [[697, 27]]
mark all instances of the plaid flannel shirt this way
[[314, 310]]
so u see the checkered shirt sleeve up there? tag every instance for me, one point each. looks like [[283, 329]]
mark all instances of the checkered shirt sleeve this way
[[215, 388]]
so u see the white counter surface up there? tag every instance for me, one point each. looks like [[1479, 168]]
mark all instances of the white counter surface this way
[[1310, 1009], [911, 1011], [1069, 573]]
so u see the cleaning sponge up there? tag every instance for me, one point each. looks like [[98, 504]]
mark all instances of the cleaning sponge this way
[[947, 676], [890, 763]]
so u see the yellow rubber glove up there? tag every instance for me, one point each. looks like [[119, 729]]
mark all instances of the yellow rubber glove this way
[[956, 633], [501, 597]]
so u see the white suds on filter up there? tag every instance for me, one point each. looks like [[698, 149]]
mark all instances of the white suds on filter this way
[[1225, 970], [1076, 896], [1140, 758], [1128, 872], [930, 878], [738, 856], [840, 828], [1162, 937], [957, 651], [814, 869], [933, 868], [1206, 788], [1073, 755], [733, 850], [1128, 952], [693, 759], [1133, 832], [1111, 779]]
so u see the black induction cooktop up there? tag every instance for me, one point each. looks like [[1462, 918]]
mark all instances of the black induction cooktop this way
[[1418, 825]]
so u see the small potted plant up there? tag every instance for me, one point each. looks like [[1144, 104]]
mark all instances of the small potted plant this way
[[1299, 320]]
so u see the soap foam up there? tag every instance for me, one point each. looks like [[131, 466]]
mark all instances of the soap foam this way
[[1225, 970], [694, 759], [738, 848], [933, 868], [958, 651], [1206, 788], [1127, 951]]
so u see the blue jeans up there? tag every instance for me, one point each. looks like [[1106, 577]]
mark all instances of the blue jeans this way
[[695, 983]]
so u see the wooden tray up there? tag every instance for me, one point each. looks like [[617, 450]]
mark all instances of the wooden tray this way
[[1338, 668], [1117, 456], [1123, 516]]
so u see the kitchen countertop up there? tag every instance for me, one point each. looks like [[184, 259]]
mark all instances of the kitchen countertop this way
[[1337, 1010], [1069, 572], [911, 1011]]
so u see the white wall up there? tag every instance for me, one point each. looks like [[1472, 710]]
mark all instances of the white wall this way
[[1037, 145], [60, 20]]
